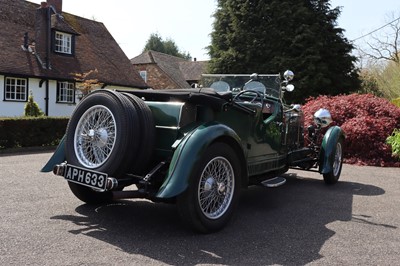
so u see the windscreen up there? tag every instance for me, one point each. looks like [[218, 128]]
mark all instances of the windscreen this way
[[268, 84]]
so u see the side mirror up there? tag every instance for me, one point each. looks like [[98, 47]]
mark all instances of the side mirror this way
[[288, 75], [254, 76]]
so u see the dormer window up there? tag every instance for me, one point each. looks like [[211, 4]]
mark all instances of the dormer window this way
[[63, 43]]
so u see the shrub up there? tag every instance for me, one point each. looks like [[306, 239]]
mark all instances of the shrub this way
[[394, 141], [396, 102], [367, 121], [32, 108]]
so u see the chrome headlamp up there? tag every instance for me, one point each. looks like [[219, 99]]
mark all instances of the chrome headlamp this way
[[323, 118]]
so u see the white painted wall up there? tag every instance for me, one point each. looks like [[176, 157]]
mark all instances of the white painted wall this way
[[12, 109]]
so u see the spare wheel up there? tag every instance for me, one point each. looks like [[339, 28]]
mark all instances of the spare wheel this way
[[100, 133], [147, 128]]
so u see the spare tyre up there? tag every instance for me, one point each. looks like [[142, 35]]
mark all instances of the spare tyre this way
[[147, 130], [101, 135]]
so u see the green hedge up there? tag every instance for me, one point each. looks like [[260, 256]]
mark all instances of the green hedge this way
[[31, 131]]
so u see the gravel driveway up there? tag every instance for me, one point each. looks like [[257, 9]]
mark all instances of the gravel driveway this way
[[355, 222]]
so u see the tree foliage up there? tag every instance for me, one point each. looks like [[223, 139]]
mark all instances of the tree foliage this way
[[382, 80], [156, 43], [275, 35], [386, 45], [85, 83], [381, 58]]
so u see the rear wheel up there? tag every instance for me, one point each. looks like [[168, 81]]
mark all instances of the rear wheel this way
[[333, 176], [208, 203]]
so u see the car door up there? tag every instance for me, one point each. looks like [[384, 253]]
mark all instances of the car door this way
[[266, 150]]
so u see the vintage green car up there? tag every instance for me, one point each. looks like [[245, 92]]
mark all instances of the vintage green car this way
[[197, 147]]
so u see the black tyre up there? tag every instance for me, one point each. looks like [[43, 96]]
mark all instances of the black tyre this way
[[333, 176], [101, 137], [208, 203], [147, 128]]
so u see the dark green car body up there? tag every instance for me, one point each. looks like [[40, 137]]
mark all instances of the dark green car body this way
[[265, 135]]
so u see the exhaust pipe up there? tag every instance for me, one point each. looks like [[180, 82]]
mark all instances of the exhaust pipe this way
[[111, 183], [59, 169]]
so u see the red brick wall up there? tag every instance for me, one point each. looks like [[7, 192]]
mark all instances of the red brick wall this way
[[156, 78]]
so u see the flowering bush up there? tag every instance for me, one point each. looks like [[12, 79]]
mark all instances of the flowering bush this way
[[367, 121]]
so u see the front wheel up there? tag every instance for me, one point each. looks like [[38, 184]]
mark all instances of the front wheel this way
[[333, 176], [208, 203]]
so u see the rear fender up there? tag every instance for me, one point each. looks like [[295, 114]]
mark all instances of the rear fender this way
[[189, 151], [328, 146], [57, 158]]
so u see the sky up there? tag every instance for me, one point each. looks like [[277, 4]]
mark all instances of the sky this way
[[360, 17], [189, 22]]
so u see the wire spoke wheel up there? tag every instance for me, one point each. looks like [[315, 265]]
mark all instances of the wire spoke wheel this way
[[94, 137], [216, 188], [337, 163], [102, 135], [208, 203]]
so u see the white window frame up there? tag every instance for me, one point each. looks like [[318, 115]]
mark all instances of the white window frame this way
[[63, 42], [143, 74], [16, 89], [65, 92]]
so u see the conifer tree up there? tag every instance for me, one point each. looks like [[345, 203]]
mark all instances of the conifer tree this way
[[270, 36], [32, 108]]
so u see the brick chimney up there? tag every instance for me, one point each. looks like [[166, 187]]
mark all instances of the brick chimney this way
[[57, 4], [42, 34]]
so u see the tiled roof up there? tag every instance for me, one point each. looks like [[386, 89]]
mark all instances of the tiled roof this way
[[95, 48], [192, 70], [59, 23], [177, 68]]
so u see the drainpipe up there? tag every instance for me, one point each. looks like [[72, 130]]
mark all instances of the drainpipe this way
[[48, 66], [46, 99]]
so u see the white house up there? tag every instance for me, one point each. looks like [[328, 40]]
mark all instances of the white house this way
[[41, 50]]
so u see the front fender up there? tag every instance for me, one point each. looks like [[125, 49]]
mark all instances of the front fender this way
[[188, 153], [328, 146], [57, 157]]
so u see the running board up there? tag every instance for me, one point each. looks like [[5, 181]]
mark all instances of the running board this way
[[274, 182]]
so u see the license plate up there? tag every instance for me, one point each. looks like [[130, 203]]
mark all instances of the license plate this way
[[85, 177]]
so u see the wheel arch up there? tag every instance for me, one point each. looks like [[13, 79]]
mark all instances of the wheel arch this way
[[189, 152], [57, 157], [328, 146]]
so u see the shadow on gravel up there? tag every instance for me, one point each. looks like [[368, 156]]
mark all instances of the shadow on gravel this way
[[285, 225]]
